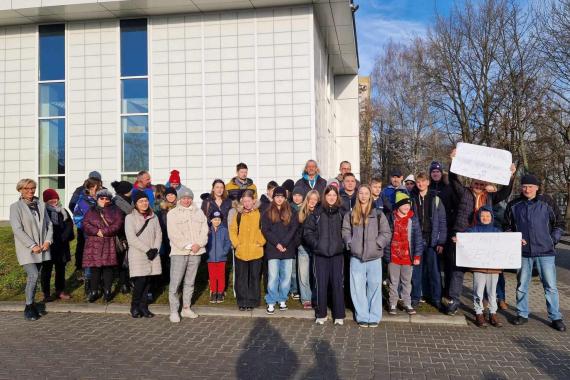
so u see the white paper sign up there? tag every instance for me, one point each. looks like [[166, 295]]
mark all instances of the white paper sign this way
[[494, 250], [482, 163]]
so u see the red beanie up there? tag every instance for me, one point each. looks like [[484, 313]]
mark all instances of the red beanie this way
[[50, 194], [174, 176]]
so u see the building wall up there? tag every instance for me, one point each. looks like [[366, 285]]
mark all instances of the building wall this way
[[231, 87], [18, 123]]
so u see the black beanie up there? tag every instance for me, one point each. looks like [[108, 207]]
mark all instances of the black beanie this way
[[170, 190], [289, 185], [122, 187], [529, 179], [139, 195], [280, 190]]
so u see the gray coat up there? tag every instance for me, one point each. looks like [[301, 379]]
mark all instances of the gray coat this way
[[151, 237], [28, 231], [367, 242]]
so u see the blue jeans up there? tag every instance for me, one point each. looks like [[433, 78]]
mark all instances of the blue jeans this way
[[426, 278], [278, 280], [304, 275], [294, 287], [366, 289], [547, 272]]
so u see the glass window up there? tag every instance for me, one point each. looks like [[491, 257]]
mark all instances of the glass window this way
[[52, 146], [134, 48], [52, 99], [52, 52], [134, 95], [56, 183], [135, 143]]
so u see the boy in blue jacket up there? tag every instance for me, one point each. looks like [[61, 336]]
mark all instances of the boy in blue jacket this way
[[218, 247]]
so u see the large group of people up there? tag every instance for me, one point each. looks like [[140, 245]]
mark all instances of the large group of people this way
[[314, 241]]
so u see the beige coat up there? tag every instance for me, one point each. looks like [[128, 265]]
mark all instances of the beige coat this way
[[187, 226], [29, 231], [151, 237]]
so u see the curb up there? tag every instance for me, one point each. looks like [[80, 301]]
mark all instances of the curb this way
[[425, 319]]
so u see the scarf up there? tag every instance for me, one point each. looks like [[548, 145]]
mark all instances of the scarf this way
[[33, 206], [400, 246], [54, 212]]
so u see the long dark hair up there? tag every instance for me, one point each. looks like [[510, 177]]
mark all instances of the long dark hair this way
[[328, 190], [282, 214], [224, 194]]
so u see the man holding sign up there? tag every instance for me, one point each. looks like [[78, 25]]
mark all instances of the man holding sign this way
[[539, 220], [471, 199]]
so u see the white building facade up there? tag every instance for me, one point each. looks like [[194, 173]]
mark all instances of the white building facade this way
[[192, 85]]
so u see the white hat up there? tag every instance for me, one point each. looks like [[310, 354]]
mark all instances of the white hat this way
[[410, 178]]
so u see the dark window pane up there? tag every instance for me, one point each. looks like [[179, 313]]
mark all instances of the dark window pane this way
[[52, 99], [133, 47], [56, 183], [52, 52], [135, 143], [134, 96], [52, 146]]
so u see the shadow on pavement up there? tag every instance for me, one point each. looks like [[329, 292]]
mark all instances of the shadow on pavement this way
[[325, 366], [550, 361]]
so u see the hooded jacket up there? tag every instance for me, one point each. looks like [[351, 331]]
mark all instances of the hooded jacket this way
[[279, 233], [235, 188], [367, 241], [540, 222], [304, 185], [347, 201], [323, 232], [415, 238], [219, 244], [249, 240], [84, 203], [187, 226], [437, 215], [484, 228]]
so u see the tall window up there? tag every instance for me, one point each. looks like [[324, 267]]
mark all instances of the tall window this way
[[134, 96], [51, 112]]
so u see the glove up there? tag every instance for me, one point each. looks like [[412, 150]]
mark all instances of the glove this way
[[151, 253]]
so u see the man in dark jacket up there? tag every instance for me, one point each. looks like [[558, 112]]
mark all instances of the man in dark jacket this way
[[348, 193], [428, 207], [539, 220], [311, 180]]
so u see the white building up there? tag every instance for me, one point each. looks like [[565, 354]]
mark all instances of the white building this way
[[195, 85]]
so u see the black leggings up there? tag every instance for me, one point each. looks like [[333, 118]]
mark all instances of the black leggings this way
[[59, 277], [140, 289], [97, 273]]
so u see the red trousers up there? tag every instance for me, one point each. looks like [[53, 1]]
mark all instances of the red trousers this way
[[217, 274]]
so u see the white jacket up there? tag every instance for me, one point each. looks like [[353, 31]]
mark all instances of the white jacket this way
[[187, 226]]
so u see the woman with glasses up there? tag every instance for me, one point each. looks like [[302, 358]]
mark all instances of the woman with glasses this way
[[33, 232], [101, 225]]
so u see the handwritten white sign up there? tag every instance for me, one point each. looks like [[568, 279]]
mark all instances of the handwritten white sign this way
[[500, 250], [482, 163]]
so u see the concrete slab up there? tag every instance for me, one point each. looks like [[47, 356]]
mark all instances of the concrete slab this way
[[439, 319]]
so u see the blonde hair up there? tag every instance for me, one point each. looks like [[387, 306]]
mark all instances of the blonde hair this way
[[360, 213], [25, 182], [304, 211]]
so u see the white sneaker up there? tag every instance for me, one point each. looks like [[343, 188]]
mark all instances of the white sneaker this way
[[270, 309], [320, 321], [339, 322], [188, 313], [174, 318], [282, 306]]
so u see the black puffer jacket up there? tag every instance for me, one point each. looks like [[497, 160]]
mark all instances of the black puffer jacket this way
[[322, 232], [279, 233], [466, 207]]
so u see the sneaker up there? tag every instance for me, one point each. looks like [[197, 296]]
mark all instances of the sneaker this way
[[373, 324], [221, 298], [392, 310], [320, 321], [29, 314], [452, 308], [295, 296], [339, 322], [270, 309], [249, 308], [519, 320], [423, 300], [307, 305], [363, 324], [558, 325], [213, 297], [410, 310], [282, 306], [174, 317], [241, 308], [415, 304], [188, 313]]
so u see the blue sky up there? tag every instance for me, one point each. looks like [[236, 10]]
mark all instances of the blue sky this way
[[378, 21]]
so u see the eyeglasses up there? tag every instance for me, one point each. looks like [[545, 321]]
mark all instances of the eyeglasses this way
[[29, 188], [104, 198]]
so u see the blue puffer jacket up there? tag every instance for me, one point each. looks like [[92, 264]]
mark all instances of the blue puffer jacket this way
[[219, 244], [540, 222], [415, 238], [84, 203], [480, 227]]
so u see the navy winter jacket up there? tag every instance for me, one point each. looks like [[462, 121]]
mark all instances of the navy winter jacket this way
[[438, 218], [480, 227], [219, 244], [540, 222], [303, 185]]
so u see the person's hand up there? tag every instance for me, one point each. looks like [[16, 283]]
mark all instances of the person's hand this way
[[281, 248], [416, 261], [513, 169], [453, 153], [439, 249], [100, 234], [524, 242], [45, 246], [454, 239], [36, 249], [195, 248]]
